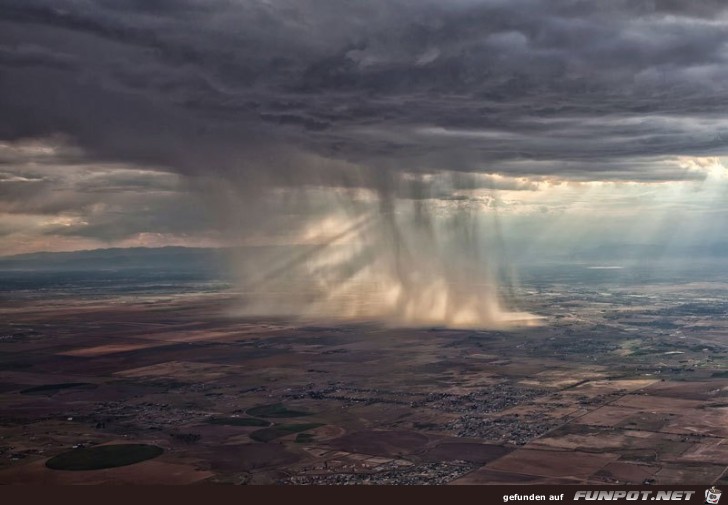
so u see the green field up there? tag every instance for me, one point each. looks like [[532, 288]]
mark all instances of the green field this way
[[104, 456], [281, 430], [238, 421], [51, 389], [276, 410], [302, 438]]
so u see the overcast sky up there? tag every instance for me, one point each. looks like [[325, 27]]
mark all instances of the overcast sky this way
[[153, 122]]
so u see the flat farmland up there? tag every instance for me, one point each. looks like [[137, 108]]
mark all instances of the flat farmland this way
[[243, 400]]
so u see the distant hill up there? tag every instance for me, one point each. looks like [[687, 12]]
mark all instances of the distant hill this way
[[160, 258], [652, 252]]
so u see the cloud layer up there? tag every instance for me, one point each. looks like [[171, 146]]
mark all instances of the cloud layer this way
[[524, 87], [136, 101]]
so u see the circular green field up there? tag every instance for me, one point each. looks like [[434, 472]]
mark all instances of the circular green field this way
[[104, 456]]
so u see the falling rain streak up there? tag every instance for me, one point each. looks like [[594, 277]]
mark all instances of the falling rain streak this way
[[399, 257]]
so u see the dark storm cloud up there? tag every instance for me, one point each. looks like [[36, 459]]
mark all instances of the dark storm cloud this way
[[262, 91], [29, 56]]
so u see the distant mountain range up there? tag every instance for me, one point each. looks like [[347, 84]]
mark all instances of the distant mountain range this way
[[214, 259], [160, 258], [652, 252]]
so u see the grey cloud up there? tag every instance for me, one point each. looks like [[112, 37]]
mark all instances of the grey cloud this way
[[257, 91], [29, 56], [129, 215]]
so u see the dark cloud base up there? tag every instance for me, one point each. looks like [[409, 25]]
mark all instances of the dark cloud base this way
[[251, 87]]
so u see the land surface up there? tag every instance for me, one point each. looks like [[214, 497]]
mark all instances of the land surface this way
[[622, 382]]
